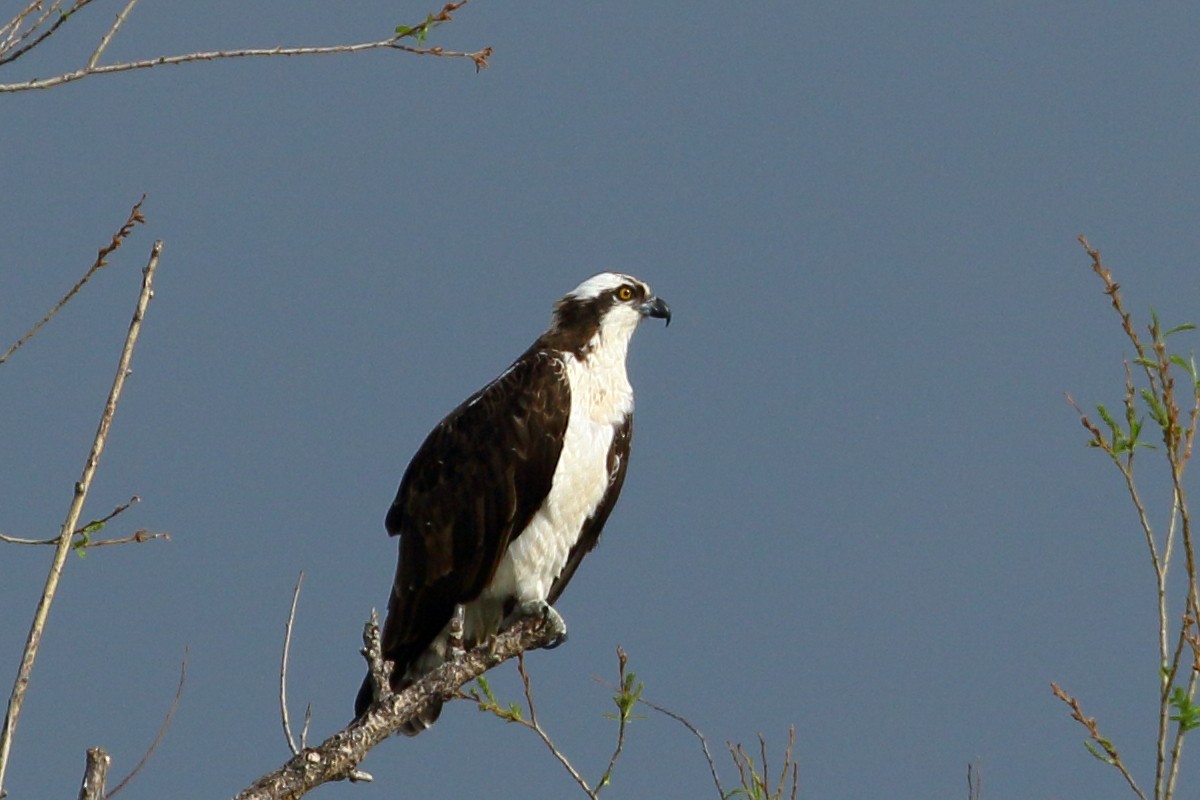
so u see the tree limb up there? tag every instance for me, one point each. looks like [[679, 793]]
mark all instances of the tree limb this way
[[95, 774], [29, 654], [338, 757], [93, 67]]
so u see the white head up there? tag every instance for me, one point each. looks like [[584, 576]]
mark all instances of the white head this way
[[604, 310]]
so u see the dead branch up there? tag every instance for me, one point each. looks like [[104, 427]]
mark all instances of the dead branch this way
[[95, 774], [416, 32], [1107, 750], [338, 757], [135, 216], [29, 654], [685, 722], [162, 730], [85, 541], [283, 704], [535, 726]]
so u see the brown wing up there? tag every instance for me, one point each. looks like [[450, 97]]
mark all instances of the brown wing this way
[[618, 462], [476, 481]]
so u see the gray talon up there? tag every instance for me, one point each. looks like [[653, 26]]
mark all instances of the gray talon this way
[[554, 624], [455, 635], [552, 621]]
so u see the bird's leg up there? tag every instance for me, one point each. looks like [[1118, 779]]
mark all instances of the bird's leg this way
[[552, 621], [455, 634]]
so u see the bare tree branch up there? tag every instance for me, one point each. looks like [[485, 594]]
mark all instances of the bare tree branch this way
[[1107, 751], [628, 691], [135, 216], [108, 37], [95, 774], [287, 644], [13, 27], [685, 722], [535, 726], [337, 758], [395, 42], [29, 654], [84, 532]]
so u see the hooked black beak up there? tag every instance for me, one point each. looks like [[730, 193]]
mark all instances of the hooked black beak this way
[[655, 307]]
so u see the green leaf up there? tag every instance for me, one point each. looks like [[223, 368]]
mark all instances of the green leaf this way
[[1189, 713], [1097, 753], [1107, 417], [403, 30], [486, 688], [1157, 411], [1187, 326]]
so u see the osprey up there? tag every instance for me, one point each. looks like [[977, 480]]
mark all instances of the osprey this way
[[510, 491]]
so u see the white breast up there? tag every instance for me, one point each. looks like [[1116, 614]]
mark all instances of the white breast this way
[[600, 400]]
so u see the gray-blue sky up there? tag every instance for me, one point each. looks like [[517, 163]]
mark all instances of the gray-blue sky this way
[[857, 503]]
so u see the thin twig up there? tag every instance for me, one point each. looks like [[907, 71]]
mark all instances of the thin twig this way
[[11, 30], [974, 782], [29, 654], [86, 543], [137, 537], [685, 722], [95, 524], [537, 728], [1089, 723], [287, 644], [135, 216], [623, 710], [478, 57], [162, 729], [62, 17], [112, 31]]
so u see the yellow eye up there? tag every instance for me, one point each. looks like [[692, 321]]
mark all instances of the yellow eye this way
[[625, 293]]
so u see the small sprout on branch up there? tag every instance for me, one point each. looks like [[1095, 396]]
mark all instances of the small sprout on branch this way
[[1188, 715], [489, 704], [628, 693], [1099, 756], [756, 782], [420, 32]]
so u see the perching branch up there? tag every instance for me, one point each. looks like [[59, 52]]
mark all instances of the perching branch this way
[[63, 547], [417, 33], [338, 757]]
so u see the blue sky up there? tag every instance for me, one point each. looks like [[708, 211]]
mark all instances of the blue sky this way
[[858, 501]]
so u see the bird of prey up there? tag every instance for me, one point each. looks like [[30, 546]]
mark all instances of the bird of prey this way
[[511, 490]]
